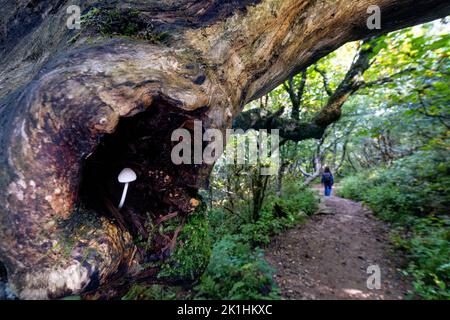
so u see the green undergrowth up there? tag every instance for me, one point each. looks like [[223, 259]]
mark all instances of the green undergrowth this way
[[412, 196], [220, 254]]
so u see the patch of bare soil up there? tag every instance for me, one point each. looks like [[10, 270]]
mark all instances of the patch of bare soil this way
[[328, 257]]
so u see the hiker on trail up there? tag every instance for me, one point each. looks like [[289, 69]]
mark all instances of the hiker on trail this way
[[327, 181]]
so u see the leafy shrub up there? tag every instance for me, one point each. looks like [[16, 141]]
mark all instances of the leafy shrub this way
[[236, 271], [413, 185], [411, 195], [278, 214], [352, 187], [151, 292], [297, 199], [221, 223], [429, 252]]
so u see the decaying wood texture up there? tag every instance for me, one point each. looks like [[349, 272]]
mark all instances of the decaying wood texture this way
[[61, 99]]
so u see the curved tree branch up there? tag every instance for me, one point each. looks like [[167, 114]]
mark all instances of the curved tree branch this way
[[330, 113], [326, 84]]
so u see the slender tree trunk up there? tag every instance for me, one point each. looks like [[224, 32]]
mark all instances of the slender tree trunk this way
[[279, 178]]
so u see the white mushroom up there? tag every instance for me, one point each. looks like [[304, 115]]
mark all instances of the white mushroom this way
[[125, 176]]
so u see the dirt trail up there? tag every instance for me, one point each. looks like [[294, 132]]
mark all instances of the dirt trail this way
[[328, 257]]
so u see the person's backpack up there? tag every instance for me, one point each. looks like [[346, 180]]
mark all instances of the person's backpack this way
[[327, 178]]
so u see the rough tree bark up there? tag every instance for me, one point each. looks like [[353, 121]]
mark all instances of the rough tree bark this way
[[68, 97]]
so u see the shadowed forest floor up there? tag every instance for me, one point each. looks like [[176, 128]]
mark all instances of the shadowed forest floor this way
[[327, 258]]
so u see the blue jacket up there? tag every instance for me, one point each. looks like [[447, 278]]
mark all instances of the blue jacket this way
[[331, 182]]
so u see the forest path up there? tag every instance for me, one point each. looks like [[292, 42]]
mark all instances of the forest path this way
[[328, 257]]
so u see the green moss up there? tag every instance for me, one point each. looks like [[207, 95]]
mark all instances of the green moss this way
[[74, 38], [120, 23], [192, 252], [80, 225]]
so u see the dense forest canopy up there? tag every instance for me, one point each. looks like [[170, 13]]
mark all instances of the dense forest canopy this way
[[78, 106]]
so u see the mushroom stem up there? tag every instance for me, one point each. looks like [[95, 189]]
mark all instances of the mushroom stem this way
[[124, 195], [126, 176]]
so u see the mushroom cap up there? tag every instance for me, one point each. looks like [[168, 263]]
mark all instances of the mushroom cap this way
[[127, 175]]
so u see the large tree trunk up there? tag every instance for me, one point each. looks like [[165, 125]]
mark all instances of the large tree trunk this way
[[96, 105]]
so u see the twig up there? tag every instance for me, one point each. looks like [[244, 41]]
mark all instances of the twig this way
[[166, 217]]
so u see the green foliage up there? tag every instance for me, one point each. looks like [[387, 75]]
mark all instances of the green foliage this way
[[429, 250], [392, 139], [296, 198], [236, 271], [72, 298], [260, 231], [278, 214], [413, 185], [221, 223], [151, 292], [411, 195], [235, 268], [192, 252]]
